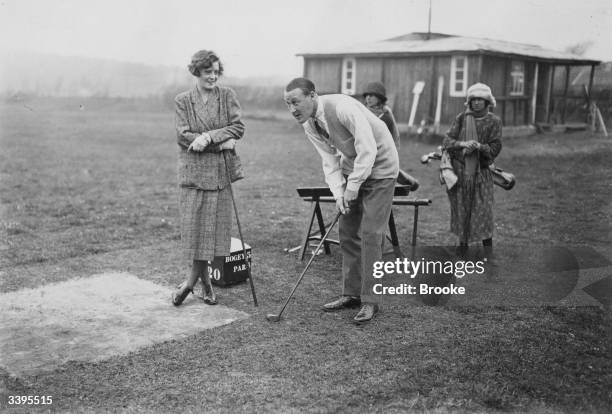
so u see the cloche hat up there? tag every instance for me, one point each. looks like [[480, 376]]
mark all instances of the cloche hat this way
[[482, 91], [377, 89]]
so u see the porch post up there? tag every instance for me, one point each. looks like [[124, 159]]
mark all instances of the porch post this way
[[551, 81], [591, 79], [534, 94], [565, 88], [589, 92], [432, 88]]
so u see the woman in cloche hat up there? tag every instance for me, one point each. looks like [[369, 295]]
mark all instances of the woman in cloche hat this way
[[375, 97], [473, 142]]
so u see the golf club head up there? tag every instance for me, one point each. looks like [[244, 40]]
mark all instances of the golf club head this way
[[272, 317], [425, 158]]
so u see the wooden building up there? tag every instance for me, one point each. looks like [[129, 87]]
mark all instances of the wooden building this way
[[521, 76]]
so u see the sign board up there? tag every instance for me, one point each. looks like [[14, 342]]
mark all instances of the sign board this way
[[228, 270]]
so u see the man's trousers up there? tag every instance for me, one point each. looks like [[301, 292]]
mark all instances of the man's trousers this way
[[362, 231]]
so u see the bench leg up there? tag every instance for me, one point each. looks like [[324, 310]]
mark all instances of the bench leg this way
[[322, 227], [415, 224], [307, 235], [394, 239]]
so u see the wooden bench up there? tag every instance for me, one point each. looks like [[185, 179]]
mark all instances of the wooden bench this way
[[318, 195]]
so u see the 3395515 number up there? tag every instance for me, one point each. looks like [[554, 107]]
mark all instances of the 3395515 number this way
[[30, 400]]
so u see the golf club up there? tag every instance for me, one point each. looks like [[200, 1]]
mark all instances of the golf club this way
[[246, 261], [275, 317], [292, 249], [431, 156]]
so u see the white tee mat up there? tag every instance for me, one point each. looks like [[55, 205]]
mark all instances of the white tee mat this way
[[94, 318]]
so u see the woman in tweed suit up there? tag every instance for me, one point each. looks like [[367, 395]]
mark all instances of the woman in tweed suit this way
[[207, 125]]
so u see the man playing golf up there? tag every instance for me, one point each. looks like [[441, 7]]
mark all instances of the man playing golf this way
[[360, 163]]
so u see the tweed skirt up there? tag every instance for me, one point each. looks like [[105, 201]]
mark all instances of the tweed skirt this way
[[206, 222]]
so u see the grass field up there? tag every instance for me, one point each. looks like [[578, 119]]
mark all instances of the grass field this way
[[93, 190]]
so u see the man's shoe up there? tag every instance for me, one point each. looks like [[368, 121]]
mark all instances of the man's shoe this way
[[341, 303], [366, 313]]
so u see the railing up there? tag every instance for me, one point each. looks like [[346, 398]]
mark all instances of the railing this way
[[515, 102]]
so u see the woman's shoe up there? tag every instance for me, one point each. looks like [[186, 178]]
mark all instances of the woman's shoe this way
[[210, 299], [209, 295], [179, 296]]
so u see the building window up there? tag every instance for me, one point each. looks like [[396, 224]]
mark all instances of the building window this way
[[348, 76], [458, 77], [517, 74]]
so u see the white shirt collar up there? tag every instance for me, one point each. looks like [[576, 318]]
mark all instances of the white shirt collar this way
[[319, 113]]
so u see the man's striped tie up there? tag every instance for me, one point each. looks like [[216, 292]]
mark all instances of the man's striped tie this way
[[322, 132]]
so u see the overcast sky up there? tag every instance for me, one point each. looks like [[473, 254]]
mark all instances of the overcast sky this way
[[261, 37]]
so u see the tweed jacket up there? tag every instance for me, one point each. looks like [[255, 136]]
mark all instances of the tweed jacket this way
[[206, 170], [359, 146]]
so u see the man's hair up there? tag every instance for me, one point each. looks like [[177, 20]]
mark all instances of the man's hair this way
[[304, 84]]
